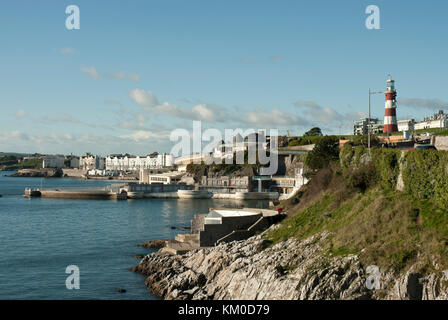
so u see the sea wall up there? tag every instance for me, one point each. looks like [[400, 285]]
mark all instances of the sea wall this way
[[441, 142], [74, 173]]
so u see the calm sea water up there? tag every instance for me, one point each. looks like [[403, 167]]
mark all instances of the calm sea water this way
[[39, 238]]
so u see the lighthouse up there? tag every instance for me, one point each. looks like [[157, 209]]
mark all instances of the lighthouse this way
[[390, 111]]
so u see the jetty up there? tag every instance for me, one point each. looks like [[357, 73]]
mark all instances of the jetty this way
[[77, 193]]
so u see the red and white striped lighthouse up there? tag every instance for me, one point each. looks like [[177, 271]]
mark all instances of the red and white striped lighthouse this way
[[390, 113]]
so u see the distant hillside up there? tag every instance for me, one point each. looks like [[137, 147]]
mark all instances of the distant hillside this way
[[14, 162], [14, 154]]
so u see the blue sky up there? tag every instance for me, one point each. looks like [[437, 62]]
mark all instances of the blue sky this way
[[137, 70]]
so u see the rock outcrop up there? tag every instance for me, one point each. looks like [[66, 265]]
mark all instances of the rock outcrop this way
[[39, 173], [291, 269], [154, 244]]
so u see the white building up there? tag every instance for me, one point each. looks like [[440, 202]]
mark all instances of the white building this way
[[53, 162], [223, 150], [361, 127], [132, 163], [406, 125], [74, 162], [438, 120], [91, 162], [146, 177]]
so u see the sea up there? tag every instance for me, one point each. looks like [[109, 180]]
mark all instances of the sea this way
[[41, 238]]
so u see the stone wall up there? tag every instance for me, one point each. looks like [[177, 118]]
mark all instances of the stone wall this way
[[441, 142], [213, 232]]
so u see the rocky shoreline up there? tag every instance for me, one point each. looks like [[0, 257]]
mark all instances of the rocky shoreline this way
[[288, 270], [38, 173]]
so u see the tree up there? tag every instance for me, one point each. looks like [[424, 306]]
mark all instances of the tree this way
[[325, 151], [313, 132]]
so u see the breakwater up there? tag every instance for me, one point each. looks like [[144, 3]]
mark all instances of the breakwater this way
[[84, 194]]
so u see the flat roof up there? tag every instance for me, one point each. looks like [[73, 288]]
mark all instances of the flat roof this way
[[174, 174], [235, 213]]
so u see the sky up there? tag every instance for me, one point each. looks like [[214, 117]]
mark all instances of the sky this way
[[137, 70]]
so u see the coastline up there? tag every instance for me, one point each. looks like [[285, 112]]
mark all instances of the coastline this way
[[14, 174], [289, 270]]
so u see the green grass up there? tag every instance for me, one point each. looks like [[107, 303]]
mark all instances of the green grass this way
[[302, 141], [386, 228], [435, 131]]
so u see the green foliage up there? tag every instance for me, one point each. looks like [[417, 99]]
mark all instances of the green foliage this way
[[363, 140], [303, 141], [385, 164], [313, 132], [389, 229], [324, 152], [424, 172], [11, 163], [442, 133], [425, 175], [361, 178], [294, 143], [8, 160], [374, 220]]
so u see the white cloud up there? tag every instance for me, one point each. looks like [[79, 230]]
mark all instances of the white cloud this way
[[20, 114], [215, 114], [67, 50], [11, 136], [120, 75], [113, 102], [245, 60], [203, 111], [207, 113], [91, 71], [276, 58], [117, 75], [272, 118], [423, 103], [58, 118], [143, 98], [134, 77], [318, 113], [145, 135], [140, 142]]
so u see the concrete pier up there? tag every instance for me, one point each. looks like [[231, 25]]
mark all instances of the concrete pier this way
[[84, 194]]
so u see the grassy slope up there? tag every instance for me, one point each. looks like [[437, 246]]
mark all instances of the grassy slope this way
[[386, 228]]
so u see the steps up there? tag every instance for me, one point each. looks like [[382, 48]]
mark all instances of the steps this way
[[182, 243], [188, 238]]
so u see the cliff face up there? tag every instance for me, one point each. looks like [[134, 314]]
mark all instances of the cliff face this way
[[289, 270]]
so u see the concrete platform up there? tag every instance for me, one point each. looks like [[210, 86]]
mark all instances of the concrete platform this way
[[178, 248]]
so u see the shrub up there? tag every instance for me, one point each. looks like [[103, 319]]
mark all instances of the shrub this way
[[324, 152], [361, 178]]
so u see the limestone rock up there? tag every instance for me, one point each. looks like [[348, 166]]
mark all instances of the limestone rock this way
[[291, 269]]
